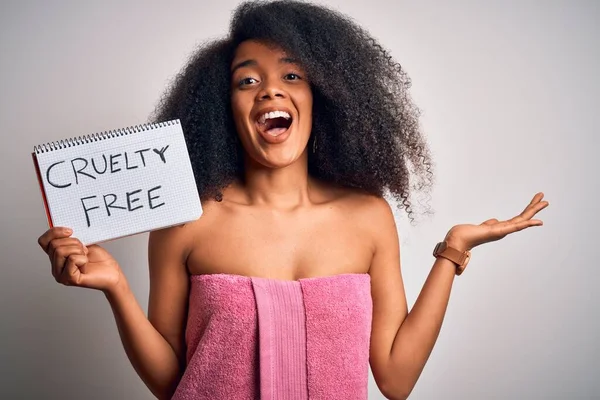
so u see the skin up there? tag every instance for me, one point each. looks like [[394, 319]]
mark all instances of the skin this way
[[280, 223]]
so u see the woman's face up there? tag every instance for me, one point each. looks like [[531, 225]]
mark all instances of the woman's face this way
[[272, 104]]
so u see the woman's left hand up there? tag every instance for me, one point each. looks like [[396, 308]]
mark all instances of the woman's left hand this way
[[466, 236]]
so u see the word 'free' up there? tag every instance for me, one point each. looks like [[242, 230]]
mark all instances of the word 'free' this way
[[111, 201]]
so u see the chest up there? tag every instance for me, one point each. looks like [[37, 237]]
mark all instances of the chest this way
[[277, 246]]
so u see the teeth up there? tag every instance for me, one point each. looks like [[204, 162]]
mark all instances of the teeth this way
[[273, 114]]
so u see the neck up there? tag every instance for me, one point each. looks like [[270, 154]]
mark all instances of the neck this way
[[278, 188]]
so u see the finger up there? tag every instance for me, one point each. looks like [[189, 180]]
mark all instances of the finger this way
[[71, 275], [60, 257], [53, 233], [529, 212], [57, 243], [504, 229], [537, 198], [63, 242], [527, 224], [533, 208]]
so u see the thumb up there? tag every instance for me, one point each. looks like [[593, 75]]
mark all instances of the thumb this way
[[71, 274], [490, 221]]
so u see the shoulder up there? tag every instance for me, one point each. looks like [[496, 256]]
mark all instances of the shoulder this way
[[371, 214], [367, 208], [172, 242], [177, 242], [376, 219]]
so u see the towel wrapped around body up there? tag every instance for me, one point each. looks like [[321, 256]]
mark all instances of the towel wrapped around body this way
[[258, 338]]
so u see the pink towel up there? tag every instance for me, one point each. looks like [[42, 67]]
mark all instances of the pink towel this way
[[251, 336], [282, 339]]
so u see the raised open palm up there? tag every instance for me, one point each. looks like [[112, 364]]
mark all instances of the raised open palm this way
[[468, 236]]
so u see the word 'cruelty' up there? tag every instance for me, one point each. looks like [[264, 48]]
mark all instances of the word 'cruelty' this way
[[81, 170]]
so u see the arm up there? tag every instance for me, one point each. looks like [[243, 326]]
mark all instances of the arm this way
[[418, 333], [401, 342], [155, 345], [389, 299]]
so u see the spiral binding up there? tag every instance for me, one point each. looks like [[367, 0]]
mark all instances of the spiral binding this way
[[94, 137]]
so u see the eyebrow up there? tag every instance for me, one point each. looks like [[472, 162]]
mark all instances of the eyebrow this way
[[247, 63]]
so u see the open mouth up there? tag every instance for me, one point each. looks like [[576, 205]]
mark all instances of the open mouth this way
[[274, 123]]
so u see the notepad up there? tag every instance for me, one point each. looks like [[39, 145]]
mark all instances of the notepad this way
[[118, 183]]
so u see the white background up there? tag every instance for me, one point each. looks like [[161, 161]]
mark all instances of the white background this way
[[509, 92]]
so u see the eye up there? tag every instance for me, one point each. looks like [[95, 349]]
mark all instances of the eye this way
[[246, 81], [292, 77]]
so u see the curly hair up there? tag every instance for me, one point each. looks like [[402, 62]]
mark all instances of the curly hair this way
[[365, 124]]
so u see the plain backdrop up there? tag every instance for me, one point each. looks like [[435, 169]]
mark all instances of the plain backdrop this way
[[509, 93]]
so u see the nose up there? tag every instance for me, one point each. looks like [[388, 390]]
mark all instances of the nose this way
[[270, 90]]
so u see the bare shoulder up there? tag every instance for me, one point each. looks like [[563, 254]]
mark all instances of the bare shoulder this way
[[367, 214], [172, 242], [176, 242], [377, 214], [367, 208]]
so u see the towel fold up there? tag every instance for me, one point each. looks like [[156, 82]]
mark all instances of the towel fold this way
[[282, 339]]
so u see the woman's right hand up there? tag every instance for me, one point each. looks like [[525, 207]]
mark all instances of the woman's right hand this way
[[74, 264]]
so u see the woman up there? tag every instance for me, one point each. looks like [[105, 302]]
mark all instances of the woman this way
[[290, 283]]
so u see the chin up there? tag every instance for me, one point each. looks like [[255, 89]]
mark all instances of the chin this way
[[277, 158], [278, 152]]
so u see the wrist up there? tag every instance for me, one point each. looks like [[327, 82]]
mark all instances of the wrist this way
[[455, 249], [117, 289], [456, 242]]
